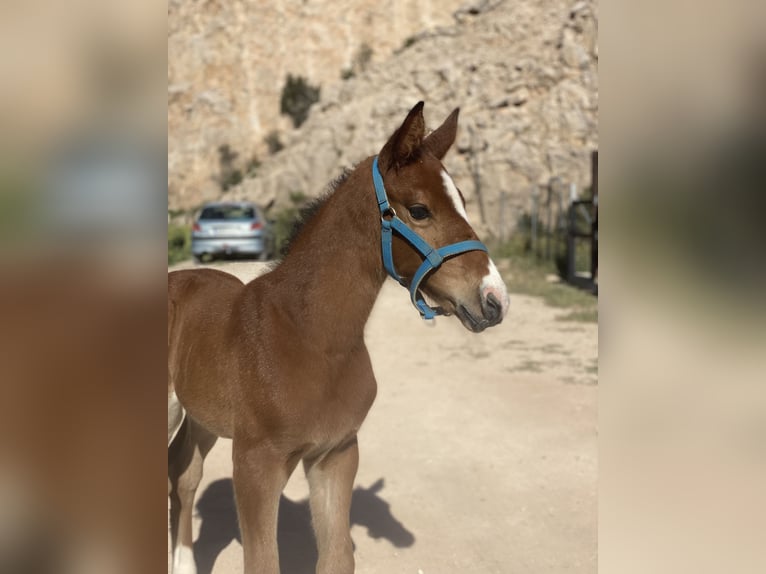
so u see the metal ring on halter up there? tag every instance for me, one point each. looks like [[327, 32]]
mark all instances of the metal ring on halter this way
[[388, 212]]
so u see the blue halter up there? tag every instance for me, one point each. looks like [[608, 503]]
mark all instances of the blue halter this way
[[433, 258]]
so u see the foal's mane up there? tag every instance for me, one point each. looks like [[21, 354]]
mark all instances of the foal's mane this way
[[309, 210]]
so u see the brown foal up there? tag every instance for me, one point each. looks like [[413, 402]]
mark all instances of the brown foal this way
[[280, 366]]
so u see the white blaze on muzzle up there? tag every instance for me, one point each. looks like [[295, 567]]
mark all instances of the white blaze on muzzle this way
[[493, 283]]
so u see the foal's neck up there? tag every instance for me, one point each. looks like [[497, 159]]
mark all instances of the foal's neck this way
[[332, 275]]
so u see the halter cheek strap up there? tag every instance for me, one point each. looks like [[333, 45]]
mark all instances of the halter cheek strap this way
[[432, 257]]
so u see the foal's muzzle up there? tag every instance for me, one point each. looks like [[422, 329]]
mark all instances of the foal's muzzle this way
[[491, 314], [492, 309]]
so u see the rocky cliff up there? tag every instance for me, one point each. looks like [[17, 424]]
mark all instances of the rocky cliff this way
[[228, 61], [524, 74]]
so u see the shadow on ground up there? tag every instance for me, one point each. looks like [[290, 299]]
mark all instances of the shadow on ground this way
[[297, 548]]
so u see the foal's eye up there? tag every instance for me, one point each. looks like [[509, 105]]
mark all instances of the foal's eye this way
[[419, 212]]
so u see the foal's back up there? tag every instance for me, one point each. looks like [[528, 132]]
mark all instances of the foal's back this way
[[200, 307], [199, 301]]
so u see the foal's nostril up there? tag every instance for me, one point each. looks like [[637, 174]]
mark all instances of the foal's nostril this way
[[492, 308]]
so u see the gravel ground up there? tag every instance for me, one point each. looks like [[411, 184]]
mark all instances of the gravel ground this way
[[478, 456]]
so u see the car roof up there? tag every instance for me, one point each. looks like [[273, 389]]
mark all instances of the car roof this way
[[229, 203]]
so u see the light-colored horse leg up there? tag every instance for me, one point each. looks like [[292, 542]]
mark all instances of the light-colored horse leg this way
[[260, 474], [176, 415], [331, 480], [185, 472]]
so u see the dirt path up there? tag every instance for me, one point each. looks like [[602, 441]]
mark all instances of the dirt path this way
[[478, 456]]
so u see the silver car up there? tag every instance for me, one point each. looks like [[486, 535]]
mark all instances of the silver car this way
[[228, 228]]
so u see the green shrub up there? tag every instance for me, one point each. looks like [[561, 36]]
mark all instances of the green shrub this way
[[273, 142], [179, 243], [284, 222], [252, 167], [298, 198], [234, 178], [297, 98], [359, 64], [230, 175], [362, 57], [410, 41]]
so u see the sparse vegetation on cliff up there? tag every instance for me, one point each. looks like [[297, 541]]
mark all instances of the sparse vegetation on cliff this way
[[274, 142], [179, 243], [361, 60], [229, 174], [297, 98]]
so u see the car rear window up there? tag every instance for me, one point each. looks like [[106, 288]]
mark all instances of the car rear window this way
[[229, 212]]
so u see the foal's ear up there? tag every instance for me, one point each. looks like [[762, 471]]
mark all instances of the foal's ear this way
[[442, 138], [404, 145]]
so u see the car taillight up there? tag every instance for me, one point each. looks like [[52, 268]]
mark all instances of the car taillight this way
[[196, 227], [256, 225]]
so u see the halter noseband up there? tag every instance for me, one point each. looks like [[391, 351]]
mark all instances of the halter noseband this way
[[433, 258]]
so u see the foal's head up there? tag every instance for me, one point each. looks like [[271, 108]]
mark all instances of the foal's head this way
[[426, 198]]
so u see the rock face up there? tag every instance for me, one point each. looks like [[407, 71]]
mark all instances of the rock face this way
[[228, 61], [524, 74]]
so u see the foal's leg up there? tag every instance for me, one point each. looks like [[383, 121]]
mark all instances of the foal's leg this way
[[186, 456], [260, 474], [331, 480]]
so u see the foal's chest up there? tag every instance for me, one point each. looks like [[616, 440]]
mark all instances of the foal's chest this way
[[334, 404]]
